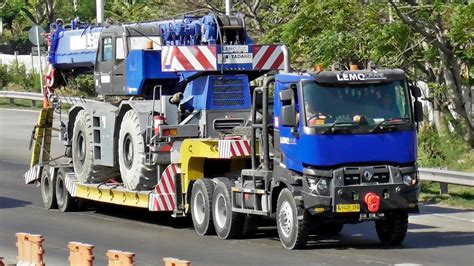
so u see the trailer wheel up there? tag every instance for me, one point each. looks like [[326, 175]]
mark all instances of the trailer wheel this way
[[393, 229], [131, 154], [82, 152], [329, 229], [64, 199], [228, 224], [48, 189], [292, 222], [201, 206]]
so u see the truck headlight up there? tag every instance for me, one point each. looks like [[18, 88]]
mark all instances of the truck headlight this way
[[320, 186], [410, 179]]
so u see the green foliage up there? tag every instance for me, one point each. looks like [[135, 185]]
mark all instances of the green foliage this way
[[459, 196], [446, 150], [80, 86], [16, 77]]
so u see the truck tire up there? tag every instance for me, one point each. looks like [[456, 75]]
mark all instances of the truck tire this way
[[65, 201], [228, 224], [393, 229], [48, 189], [82, 152], [329, 229], [292, 221], [201, 206], [131, 155]]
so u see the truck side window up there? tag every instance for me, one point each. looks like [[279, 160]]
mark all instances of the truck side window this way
[[119, 51], [107, 49]]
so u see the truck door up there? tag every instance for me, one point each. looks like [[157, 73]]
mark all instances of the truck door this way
[[103, 71], [118, 71], [289, 125]]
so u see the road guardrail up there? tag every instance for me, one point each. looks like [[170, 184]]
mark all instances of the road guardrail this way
[[33, 96], [445, 177]]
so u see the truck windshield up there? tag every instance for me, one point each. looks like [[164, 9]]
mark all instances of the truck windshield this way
[[361, 104]]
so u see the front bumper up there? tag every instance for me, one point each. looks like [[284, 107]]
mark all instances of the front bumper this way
[[348, 200]]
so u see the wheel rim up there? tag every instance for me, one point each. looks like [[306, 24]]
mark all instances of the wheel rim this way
[[285, 217], [46, 187], [60, 192], [220, 210], [128, 151], [81, 148], [199, 208]]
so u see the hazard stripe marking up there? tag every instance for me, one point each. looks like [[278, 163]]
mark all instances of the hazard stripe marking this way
[[163, 197]]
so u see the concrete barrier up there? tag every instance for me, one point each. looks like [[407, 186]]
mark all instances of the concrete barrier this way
[[30, 253]]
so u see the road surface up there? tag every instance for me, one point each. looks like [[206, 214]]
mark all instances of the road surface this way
[[437, 236]]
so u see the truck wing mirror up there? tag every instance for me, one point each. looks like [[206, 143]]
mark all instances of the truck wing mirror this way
[[288, 116], [418, 111], [415, 91], [286, 95]]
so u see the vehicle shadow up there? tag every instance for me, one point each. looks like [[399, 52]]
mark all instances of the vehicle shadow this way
[[359, 236], [8, 203]]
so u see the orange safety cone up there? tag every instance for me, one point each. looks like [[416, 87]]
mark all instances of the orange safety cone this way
[[120, 258], [176, 262], [80, 254], [21, 246], [36, 250]]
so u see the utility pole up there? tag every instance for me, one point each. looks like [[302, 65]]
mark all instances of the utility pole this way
[[99, 5], [228, 7]]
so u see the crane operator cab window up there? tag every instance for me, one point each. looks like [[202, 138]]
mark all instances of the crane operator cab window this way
[[107, 49], [356, 104]]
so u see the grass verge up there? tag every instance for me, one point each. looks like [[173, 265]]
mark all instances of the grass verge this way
[[459, 196]]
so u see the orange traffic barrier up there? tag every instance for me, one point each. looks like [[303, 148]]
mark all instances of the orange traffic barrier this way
[[80, 254], [120, 258], [176, 262], [30, 249]]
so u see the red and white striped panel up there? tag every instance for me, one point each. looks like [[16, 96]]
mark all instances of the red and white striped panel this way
[[234, 148], [188, 58], [162, 199], [267, 57]]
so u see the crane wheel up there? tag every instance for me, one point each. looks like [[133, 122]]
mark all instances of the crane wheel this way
[[228, 224], [82, 152], [48, 190], [131, 155], [201, 206]]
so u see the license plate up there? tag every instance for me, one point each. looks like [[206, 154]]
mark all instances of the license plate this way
[[348, 208]]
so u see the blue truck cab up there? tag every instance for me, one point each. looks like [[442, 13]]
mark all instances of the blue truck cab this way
[[344, 144]]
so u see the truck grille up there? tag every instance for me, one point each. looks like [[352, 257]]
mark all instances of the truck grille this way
[[228, 92], [359, 175]]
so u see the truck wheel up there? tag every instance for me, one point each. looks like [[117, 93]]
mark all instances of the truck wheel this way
[[48, 190], [131, 154], [64, 200], [292, 222], [228, 224], [329, 229], [393, 229], [82, 152], [201, 206]]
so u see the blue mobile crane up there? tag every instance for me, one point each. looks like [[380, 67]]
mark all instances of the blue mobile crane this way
[[179, 128]]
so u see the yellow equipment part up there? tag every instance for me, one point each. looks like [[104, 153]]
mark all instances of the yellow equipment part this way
[[112, 195], [42, 137], [194, 152]]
